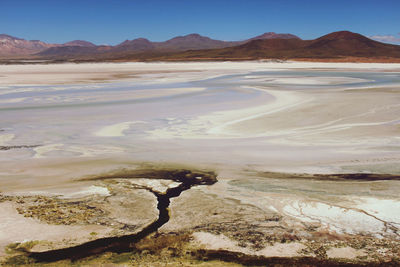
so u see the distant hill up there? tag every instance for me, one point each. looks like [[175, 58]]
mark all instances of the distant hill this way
[[333, 45], [270, 45], [139, 44], [272, 35], [72, 51], [192, 41], [79, 43], [13, 46]]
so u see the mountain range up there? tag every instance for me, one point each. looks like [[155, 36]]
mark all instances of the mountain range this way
[[336, 45], [13, 47]]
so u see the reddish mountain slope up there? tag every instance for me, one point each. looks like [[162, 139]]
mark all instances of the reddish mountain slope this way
[[192, 41], [273, 35], [345, 43], [140, 44], [333, 45], [79, 43], [181, 43], [337, 45]]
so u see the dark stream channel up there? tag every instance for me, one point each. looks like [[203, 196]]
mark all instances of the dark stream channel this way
[[126, 243]]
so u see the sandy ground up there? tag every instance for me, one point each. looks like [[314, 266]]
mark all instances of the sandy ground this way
[[216, 242], [15, 227]]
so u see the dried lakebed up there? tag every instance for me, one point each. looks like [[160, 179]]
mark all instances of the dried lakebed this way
[[307, 157], [186, 180], [201, 226]]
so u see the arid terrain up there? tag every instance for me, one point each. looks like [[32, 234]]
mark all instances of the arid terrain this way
[[341, 46], [200, 164]]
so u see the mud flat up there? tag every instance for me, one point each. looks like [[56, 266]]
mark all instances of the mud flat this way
[[206, 224], [200, 164]]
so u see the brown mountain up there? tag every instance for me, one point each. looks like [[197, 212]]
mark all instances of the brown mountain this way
[[192, 41], [72, 52], [334, 45], [179, 43], [345, 43], [337, 45], [81, 43], [12, 46], [273, 35], [16, 47], [141, 45]]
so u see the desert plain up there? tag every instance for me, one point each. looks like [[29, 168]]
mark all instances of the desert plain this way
[[275, 162]]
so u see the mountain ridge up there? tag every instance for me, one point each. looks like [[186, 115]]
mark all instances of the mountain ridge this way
[[82, 43], [270, 45], [339, 44], [10, 45], [193, 41]]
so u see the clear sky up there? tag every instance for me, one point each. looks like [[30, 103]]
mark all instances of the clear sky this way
[[113, 21]]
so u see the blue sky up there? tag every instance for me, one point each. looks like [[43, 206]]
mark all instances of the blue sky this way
[[113, 21]]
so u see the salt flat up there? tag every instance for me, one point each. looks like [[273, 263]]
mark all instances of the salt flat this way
[[241, 119]]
